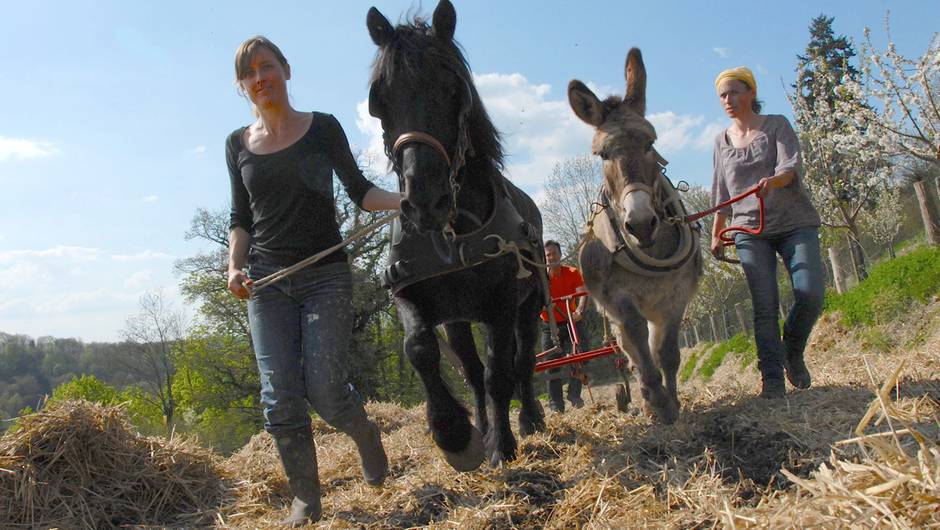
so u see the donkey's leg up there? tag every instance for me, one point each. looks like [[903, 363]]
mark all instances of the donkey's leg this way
[[664, 343], [448, 419], [531, 417], [633, 335], [460, 337], [499, 441]]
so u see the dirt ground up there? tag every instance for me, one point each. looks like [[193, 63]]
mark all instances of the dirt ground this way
[[720, 465], [861, 448]]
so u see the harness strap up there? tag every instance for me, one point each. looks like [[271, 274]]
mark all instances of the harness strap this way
[[421, 138]]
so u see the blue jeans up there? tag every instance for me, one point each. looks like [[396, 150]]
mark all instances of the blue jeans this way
[[555, 377], [300, 327], [799, 250]]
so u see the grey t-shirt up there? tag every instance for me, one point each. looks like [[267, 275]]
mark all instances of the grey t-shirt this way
[[775, 149]]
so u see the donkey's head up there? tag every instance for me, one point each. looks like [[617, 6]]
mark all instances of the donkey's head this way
[[623, 138], [422, 91]]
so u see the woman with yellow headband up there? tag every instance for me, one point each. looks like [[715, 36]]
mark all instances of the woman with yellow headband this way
[[762, 150]]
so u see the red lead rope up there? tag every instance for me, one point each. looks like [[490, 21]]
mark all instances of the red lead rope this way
[[726, 239]]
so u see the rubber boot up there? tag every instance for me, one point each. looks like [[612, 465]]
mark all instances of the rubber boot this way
[[368, 440], [771, 371], [796, 370], [299, 458]]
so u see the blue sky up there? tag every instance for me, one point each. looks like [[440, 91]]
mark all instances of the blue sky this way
[[114, 113]]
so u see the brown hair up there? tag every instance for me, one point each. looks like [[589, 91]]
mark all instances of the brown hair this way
[[248, 48]]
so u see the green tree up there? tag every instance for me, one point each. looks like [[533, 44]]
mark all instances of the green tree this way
[[87, 387], [154, 335], [841, 160]]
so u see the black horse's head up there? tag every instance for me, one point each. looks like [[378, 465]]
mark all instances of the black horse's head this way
[[624, 138], [432, 118]]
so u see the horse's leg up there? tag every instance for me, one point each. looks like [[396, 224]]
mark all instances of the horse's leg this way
[[633, 336], [664, 343], [450, 427], [499, 441], [460, 337], [531, 416]]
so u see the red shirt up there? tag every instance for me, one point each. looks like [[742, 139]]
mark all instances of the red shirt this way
[[564, 282]]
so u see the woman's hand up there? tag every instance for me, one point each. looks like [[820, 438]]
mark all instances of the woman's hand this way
[[238, 283], [765, 185], [718, 247]]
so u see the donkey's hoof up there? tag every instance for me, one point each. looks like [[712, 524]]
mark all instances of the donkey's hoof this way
[[471, 457]]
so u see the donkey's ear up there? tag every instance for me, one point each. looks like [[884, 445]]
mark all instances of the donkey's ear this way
[[585, 104], [444, 20], [635, 73], [380, 29]]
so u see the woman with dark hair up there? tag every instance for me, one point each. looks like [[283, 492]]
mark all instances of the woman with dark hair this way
[[281, 171], [762, 150]]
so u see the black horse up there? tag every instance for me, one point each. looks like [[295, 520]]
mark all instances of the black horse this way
[[465, 236]]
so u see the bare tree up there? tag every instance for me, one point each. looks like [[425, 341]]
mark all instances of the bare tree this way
[[154, 333], [571, 189]]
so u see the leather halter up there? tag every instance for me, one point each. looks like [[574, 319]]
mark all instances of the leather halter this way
[[421, 138]]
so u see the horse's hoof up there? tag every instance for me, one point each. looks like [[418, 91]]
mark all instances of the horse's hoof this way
[[471, 457]]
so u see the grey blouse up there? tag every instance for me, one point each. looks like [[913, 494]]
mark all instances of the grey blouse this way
[[775, 149]]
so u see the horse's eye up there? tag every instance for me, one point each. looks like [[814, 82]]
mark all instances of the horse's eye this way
[[649, 147], [603, 155]]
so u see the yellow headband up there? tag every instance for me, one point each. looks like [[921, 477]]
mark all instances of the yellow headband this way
[[741, 73]]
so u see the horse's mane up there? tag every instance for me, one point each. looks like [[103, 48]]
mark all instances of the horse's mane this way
[[413, 44]]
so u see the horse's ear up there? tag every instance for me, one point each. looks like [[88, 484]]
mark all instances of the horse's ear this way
[[380, 29], [635, 73], [444, 20], [585, 104]]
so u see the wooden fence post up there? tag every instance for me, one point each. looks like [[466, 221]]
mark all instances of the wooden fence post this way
[[715, 336], [928, 212], [739, 311], [838, 275]]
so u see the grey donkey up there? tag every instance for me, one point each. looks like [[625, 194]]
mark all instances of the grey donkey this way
[[640, 262]]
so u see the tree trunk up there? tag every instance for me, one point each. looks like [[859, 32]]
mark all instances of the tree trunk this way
[[739, 311], [928, 212], [724, 322], [698, 339], [711, 320], [838, 274], [858, 254]]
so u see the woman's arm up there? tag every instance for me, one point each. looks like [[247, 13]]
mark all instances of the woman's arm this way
[[718, 246], [777, 181], [377, 199], [238, 240]]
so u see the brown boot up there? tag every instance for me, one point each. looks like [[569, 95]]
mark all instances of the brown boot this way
[[299, 458]]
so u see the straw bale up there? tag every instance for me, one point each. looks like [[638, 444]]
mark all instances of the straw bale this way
[[76, 464]]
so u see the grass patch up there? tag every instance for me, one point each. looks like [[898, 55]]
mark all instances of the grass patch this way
[[688, 367], [740, 344], [891, 287]]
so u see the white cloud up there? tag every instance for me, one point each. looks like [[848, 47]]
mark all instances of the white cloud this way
[[373, 153], [21, 149], [73, 291], [146, 255], [674, 132], [539, 129], [706, 138], [722, 52], [150, 198], [139, 280], [199, 150]]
